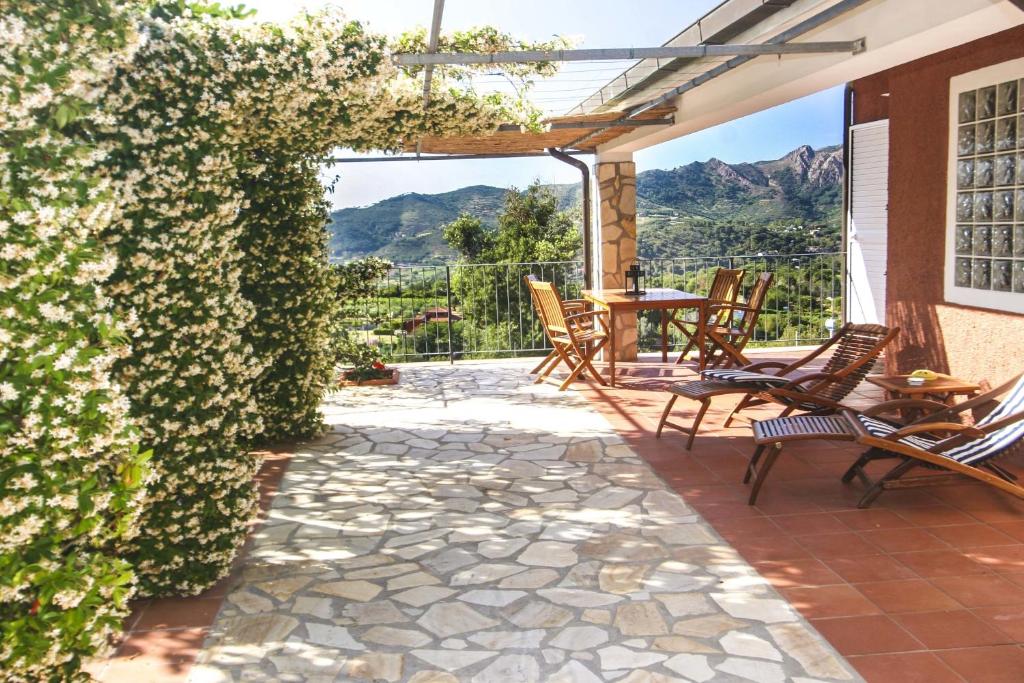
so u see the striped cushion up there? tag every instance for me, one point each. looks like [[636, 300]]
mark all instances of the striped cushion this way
[[991, 445], [876, 426], [753, 379]]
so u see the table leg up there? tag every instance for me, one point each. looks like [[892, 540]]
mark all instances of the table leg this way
[[664, 335], [611, 346], [702, 309]]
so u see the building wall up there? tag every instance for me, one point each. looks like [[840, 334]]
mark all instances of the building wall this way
[[968, 342]]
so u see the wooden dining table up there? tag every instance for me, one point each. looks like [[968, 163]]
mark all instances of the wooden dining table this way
[[668, 301]]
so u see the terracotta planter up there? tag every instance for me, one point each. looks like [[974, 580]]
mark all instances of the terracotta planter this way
[[393, 379]]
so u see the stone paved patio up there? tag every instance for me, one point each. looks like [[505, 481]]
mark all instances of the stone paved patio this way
[[470, 526]]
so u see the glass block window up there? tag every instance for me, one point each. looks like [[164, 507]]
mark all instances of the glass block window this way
[[985, 216]]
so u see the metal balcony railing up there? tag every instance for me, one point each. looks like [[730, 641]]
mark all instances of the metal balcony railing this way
[[469, 311]]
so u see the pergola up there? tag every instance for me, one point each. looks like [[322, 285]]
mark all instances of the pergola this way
[[742, 57]]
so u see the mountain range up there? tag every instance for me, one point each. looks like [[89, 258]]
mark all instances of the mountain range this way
[[785, 205]]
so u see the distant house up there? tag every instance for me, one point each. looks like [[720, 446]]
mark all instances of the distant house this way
[[438, 314]]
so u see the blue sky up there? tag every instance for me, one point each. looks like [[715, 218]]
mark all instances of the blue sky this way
[[814, 120]]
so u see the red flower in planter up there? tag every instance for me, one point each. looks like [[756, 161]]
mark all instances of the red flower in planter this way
[[377, 365]]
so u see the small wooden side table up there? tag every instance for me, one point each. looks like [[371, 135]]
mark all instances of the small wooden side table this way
[[943, 388]]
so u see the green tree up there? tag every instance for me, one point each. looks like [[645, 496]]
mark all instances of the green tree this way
[[489, 284]]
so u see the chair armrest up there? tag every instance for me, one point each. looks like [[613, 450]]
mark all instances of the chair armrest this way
[[966, 430], [783, 395], [902, 404], [586, 314], [824, 377], [758, 367]]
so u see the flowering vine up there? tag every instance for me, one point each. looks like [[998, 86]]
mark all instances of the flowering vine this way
[[69, 473]]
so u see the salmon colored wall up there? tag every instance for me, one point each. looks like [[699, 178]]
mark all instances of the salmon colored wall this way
[[972, 343]]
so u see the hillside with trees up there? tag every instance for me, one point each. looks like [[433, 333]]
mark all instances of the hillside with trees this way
[[786, 205]]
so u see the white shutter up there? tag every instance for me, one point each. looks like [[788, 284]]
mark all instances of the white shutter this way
[[867, 226]]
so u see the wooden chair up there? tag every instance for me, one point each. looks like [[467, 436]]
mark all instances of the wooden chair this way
[[854, 351], [724, 290], [571, 306], [727, 341], [574, 336], [936, 440]]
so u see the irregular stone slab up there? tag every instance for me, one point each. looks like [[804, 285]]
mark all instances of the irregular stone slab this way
[[397, 637], [258, 629], [350, 590], [685, 604], [501, 547], [767, 610], [613, 497], [452, 660], [634, 476], [332, 636], [374, 666], [548, 554], [597, 616], [639, 676], [580, 638], [584, 451], [640, 619], [531, 578], [694, 667], [621, 547], [574, 672], [317, 607], [754, 670], [814, 657], [250, 603], [377, 612], [618, 657], [685, 534], [512, 668], [680, 644], [449, 619], [423, 595], [707, 627], [433, 677], [449, 560], [412, 580], [574, 597], [484, 573], [509, 640], [284, 588], [749, 645], [382, 572], [491, 598], [622, 578], [539, 614]]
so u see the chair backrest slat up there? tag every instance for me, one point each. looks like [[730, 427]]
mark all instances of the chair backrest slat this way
[[726, 286], [549, 305], [755, 301], [996, 442], [857, 347]]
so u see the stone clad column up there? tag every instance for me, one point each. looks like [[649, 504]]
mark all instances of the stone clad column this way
[[616, 179]]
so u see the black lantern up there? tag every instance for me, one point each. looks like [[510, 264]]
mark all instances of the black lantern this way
[[635, 280]]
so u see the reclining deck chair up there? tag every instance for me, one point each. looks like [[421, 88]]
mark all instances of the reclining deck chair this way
[[728, 340], [575, 337], [938, 440], [854, 351], [724, 290]]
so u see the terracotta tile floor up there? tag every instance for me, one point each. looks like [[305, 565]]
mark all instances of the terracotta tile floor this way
[[927, 585], [163, 636]]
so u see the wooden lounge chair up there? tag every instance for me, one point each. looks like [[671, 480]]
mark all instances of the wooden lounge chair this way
[[728, 340], [574, 336], [937, 440], [854, 351], [724, 290]]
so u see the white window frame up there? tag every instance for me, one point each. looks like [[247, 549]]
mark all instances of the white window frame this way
[[1012, 302]]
